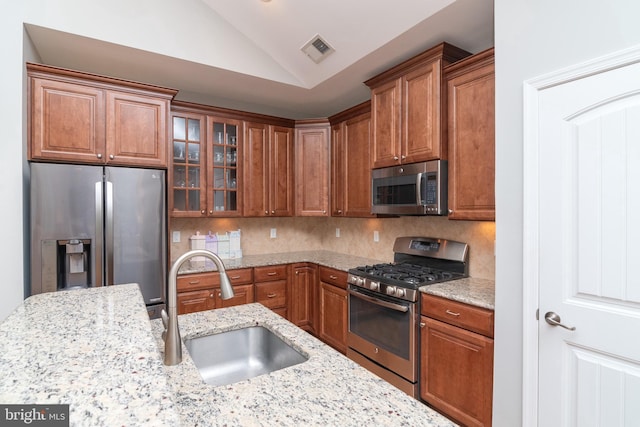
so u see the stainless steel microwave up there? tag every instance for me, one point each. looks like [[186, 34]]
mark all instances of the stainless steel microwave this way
[[413, 189]]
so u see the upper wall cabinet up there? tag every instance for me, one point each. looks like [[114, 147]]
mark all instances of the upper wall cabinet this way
[[471, 98], [407, 106], [268, 170], [312, 168], [85, 118], [351, 162]]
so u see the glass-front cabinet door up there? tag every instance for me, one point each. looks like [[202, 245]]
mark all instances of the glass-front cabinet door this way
[[224, 147], [187, 178]]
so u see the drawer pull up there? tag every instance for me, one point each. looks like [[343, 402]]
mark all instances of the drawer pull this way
[[271, 273], [235, 277], [194, 282], [452, 313], [272, 295], [332, 277]]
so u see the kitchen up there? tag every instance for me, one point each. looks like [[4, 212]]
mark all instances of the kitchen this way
[[532, 58]]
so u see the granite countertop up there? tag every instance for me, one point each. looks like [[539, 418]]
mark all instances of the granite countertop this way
[[96, 350], [325, 258], [91, 349], [473, 291], [327, 389]]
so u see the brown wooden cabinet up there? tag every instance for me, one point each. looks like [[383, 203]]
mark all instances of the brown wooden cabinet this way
[[85, 118], [301, 295], [332, 316], [351, 162], [268, 170], [206, 165], [408, 106], [312, 168], [456, 359], [201, 291], [271, 283], [471, 99]]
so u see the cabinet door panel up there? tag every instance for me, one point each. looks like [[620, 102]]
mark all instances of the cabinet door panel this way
[[357, 175], [243, 294], [312, 172], [332, 327], [256, 160], [67, 121], [301, 301], [136, 130], [281, 176], [338, 163], [385, 112], [190, 302], [421, 133], [456, 372], [472, 144], [272, 294]]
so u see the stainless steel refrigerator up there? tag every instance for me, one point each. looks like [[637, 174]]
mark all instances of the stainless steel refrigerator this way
[[98, 226]]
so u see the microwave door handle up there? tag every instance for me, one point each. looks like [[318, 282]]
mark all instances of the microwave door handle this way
[[387, 304], [419, 201]]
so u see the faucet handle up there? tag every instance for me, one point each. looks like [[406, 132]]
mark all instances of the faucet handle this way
[[165, 318]]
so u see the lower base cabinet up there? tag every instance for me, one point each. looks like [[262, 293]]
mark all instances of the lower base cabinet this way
[[456, 360], [271, 284], [332, 317], [198, 292], [301, 296]]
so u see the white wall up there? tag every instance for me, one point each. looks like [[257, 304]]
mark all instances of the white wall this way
[[534, 38]]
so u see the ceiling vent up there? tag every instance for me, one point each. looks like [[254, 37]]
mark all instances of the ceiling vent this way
[[317, 49]]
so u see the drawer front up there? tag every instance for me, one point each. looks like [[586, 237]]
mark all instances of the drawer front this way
[[333, 277], [193, 282], [269, 273], [272, 294], [240, 276], [455, 313]]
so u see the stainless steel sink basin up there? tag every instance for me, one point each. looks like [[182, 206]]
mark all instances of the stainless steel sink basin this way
[[233, 356]]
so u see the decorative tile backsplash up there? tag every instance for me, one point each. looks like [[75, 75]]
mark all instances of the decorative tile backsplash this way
[[356, 236]]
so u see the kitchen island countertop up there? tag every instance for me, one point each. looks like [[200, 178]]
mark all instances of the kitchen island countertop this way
[[96, 350]]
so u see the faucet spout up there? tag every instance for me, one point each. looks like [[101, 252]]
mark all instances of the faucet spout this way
[[171, 335]]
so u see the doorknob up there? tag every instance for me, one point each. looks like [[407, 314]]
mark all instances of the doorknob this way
[[554, 320]]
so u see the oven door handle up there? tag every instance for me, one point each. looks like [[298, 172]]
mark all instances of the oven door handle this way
[[387, 304]]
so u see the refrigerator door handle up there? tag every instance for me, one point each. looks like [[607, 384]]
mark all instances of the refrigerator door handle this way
[[98, 244], [108, 226]]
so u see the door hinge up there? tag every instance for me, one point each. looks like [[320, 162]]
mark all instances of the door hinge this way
[[537, 314]]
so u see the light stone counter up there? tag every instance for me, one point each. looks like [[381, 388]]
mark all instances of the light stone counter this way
[[326, 390], [326, 258], [478, 292], [91, 349], [96, 350]]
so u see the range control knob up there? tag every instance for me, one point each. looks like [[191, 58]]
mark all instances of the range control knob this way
[[391, 290], [374, 286], [400, 292], [361, 281]]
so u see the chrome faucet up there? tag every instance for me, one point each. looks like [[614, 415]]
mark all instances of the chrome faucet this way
[[171, 334]]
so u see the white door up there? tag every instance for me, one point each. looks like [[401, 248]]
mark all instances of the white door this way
[[588, 248]]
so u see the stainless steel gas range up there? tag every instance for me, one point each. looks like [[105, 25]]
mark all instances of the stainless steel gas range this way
[[384, 306]]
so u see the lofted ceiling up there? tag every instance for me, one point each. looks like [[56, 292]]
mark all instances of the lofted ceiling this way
[[271, 75]]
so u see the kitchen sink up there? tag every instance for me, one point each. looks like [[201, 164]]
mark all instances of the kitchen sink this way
[[237, 355]]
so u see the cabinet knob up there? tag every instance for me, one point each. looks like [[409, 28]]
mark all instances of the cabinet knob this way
[[297, 272], [210, 211], [211, 296], [203, 212], [273, 212], [266, 212], [450, 211], [340, 211], [324, 212], [422, 324], [395, 157], [403, 157], [99, 156], [111, 156]]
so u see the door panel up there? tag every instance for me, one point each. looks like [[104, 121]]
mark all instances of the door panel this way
[[588, 208]]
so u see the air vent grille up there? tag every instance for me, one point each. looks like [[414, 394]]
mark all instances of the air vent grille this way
[[317, 49]]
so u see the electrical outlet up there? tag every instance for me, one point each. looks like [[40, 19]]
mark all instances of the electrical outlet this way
[[273, 233], [376, 236], [175, 236], [337, 232]]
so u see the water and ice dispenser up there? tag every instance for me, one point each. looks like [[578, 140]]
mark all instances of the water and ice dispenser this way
[[66, 264]]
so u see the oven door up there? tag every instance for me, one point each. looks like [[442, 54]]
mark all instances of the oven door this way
[[384, 330]]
